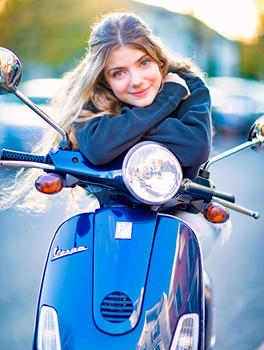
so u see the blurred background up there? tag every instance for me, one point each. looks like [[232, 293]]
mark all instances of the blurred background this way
[[226, 39]]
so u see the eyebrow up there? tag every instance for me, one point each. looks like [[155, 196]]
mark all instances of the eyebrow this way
[[117, 68]]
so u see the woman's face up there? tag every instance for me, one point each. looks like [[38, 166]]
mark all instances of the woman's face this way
[[133, 76]]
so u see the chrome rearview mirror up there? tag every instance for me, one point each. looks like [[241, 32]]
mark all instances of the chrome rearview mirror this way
[[255, 142], [257, 132], [10, 74], [10, 71]]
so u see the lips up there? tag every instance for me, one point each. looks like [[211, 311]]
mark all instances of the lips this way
[[140, 93]]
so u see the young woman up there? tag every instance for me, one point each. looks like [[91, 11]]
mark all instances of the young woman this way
[[128, 89], [138, 92]]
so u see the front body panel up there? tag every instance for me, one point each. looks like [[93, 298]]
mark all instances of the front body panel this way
[[158, 268]]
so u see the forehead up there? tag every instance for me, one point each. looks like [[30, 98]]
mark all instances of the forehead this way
[[123, 56]]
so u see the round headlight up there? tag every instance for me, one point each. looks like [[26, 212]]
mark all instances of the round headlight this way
[[151, 173]]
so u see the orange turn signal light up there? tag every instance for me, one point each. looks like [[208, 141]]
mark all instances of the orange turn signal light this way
[[49, 183], [216, 213]]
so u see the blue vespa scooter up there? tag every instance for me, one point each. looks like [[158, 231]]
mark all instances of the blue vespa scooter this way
[[128, 276]]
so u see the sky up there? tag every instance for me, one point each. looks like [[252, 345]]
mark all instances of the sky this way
[[235, 19]]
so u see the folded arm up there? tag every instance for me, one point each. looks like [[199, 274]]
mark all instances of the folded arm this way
[[187, 132], [104, 138]]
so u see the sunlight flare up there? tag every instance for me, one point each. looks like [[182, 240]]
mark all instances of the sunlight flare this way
[[235, 19]]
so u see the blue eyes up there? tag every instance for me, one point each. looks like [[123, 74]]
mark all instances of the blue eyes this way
[[120, 73], [145, 63]]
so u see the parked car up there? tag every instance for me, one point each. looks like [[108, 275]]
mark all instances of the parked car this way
[[20, 127], [236, 103]]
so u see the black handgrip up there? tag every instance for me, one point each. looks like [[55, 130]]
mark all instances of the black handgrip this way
[[226, 196], [14, 155], [207, 193]]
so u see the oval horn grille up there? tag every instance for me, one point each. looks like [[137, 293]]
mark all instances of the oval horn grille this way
[[116, 307]]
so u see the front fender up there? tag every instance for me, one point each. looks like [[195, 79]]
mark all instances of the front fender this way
[[159, 269]]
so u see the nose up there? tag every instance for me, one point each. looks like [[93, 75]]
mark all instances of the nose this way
[[135, 78]]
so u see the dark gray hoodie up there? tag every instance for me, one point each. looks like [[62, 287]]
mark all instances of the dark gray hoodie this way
[[184, 127]]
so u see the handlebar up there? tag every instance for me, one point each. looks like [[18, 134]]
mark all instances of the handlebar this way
[[16, 159], [22, 156], [225, 199], [208, 192], [9, 158], [188, 186]]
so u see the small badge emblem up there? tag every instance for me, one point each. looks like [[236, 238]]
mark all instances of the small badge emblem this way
[[123, 230], [59, 253]]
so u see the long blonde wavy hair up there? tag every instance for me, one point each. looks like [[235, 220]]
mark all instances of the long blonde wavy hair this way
[[86, 82]]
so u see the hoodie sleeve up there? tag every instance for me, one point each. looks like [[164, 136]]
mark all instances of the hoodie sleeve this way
[[187, 132], [104, 138]]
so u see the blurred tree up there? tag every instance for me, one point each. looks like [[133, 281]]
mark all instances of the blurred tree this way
[[252, 54], [50, 31]]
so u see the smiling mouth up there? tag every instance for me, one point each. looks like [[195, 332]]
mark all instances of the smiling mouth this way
[[140, 93]]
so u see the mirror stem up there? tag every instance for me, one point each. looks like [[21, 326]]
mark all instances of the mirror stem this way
[[231, 151], [65, 143]]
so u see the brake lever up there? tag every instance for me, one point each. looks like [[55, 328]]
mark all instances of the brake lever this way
[[237, 208]]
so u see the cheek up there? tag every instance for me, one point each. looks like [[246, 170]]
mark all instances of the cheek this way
[[156, 76], [118, 87]]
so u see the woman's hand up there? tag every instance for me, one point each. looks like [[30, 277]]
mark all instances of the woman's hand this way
[[175, 78]]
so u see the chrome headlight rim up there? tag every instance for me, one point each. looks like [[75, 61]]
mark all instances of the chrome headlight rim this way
[[125, 166]]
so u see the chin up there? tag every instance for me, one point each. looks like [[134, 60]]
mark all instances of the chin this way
[[143, 103]]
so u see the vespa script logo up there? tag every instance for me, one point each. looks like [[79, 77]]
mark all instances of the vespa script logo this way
[[59, 253]]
